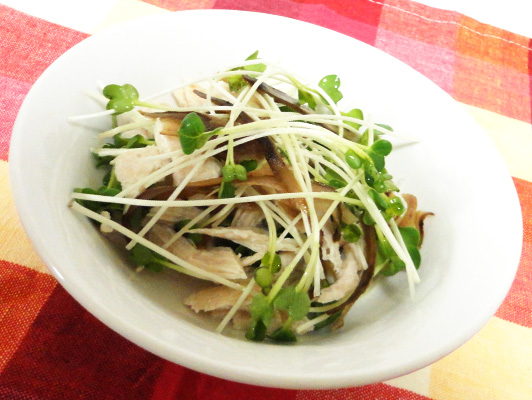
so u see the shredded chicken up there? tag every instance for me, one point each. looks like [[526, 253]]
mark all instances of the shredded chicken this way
[[221, 261], [254, 239], [215, 298], [330, 249], [247, 218], [136, 164], [211, 167], [176, 214]]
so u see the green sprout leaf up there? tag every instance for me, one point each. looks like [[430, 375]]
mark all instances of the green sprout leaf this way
[[306, 97], [378, 160], [380, 132], [272, 263], [237, 82], [262, 313], [411, 237], [333, 179], [283, 335], [98, 206], [330, 85], [226, 191], [134, 142], [192, 135], [263, 277], [354, 113], [257, 331], [228, 173], [141, 255], [296, 303], [351, 233], [121, 98], [249, 165], [381, 147], [240, 172], [352, 159], [190, 131], [395, 206]]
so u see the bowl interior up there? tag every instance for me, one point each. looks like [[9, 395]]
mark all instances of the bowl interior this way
[[387, 333]]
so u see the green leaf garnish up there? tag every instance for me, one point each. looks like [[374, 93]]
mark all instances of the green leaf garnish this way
[[237, 82], [351, 233], [395, 206], [262, 313], [122, 98], [333, 179], [257, 331], [379, 132], [412, 238], [134, 142], [378, 160], [98, 206], [354, 113], [263, 277], [240, 172], [381, 147], [296, 303], [249, 165], [226, 191], [283, 335], [141, 255], [352, 159], [190, 132], [192, 135], [228, 173], [306, 97], [272, 263], [330, 85]]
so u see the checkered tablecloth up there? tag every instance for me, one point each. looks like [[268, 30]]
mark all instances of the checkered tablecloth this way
[[51, 348]]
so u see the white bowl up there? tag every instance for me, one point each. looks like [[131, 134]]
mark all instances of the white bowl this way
[[472, 244]]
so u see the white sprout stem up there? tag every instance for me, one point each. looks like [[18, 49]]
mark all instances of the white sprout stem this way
[[180, 264], [214, 202], [311, 323], [328, 307], [211, 150], [411, 270], [189, 225], [98, 114], [302, 177], [218, 218], [245, 293], [290, 228], [163, 209], [284, 220], [316, 268], [126, 127], [272, 234]]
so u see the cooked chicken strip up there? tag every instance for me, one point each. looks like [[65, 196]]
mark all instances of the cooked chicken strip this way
[[221, 261], [134, 165], [254, 239]]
